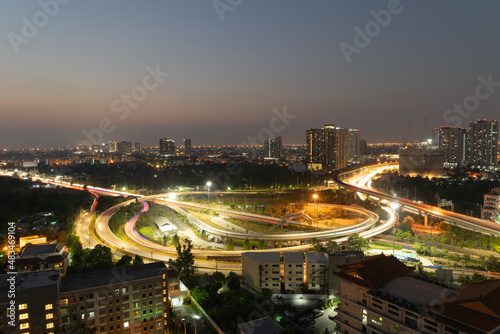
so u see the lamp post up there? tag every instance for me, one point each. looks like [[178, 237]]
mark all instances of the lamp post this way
[[315, 196], [209, 184]]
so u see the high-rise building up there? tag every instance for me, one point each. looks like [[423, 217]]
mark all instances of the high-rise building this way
[[132, 299], [327, 146], [483, 144], [124, 146], [293, 272], [112, 146], [454, 143], [353, 144], [138, 147], [167, 147], [272, 148], [187, 147]]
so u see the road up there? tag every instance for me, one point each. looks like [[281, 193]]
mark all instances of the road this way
[[467, 222]]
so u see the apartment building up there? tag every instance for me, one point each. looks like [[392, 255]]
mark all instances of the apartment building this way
[[379, 294], [316, 266], [261, 270], [293, 271], [491, 206], [42, 257], [133, 299]]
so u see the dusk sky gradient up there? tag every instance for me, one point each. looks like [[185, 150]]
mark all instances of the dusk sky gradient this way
[[226, 77]]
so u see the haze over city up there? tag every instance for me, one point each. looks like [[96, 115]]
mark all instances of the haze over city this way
[[229, 67]]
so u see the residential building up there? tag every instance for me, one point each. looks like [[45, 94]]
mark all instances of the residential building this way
[[316, 266], [379, 294], [353, 145], [453, 141], [167, 147], [261, 270], [138, 147], [491, 206], [423, 160], [483, 144], [124, 146], [327, 146], [293, 271], [187, 147], [265, 325], [273, 148], [339, 258], [42, 257], [132, 299]]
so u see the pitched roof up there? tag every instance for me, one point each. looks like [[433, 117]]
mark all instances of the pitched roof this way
[[262, 326], [373, 271], [32, 250], [474, 307]]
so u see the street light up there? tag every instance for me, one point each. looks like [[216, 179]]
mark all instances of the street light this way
[[315, 196], [208, 192]]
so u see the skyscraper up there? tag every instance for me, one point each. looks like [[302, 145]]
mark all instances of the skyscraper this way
[[483, 144], [187, 146], [167, 147], [327, 146], [138, 146], [272, 148], [353, 144], [454, 143]]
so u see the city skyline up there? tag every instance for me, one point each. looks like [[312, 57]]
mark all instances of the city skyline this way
[[230, 71]]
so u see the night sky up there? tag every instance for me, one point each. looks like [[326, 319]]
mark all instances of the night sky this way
[[229, 68]]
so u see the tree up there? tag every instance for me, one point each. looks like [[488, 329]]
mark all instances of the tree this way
[[233, 281], [230, 244], [317, 246], [357, 243], [219, 277], [262, 244], [184, 262], [176, 240], [126, 260], [137, 260], [332, 245], [246, 244]]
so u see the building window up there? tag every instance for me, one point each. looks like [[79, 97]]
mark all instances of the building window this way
[[23, 316], [23, 306], [24, 326], [49, 316], [50, 325], [48, 306]]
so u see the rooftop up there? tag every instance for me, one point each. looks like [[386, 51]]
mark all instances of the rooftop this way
[[293, 257], [33, 250], [112, 276], [475, 308], [373, 271], [28, 280], [263, 257], [415, 291], [316, 257], [262, 326]]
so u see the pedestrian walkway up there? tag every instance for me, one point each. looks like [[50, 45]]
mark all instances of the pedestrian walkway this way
[[193, 320]]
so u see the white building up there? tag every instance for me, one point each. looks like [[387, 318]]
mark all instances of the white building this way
[[293, 272], [316, 271], [261, 270]]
